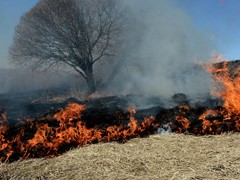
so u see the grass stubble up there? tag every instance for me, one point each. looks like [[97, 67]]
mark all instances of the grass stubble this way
[[164, 156]]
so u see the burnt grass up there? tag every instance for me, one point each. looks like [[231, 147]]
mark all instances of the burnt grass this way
[[111, 110], [25, 113]]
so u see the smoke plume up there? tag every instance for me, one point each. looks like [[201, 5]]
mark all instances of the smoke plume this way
[[161, 52], [158, 58]]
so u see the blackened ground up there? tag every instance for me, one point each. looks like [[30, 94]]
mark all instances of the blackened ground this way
[[107, 111]]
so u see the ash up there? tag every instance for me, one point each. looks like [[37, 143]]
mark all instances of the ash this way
[[164, 129]]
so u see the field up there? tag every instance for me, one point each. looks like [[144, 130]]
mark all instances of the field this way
[[160, 156]]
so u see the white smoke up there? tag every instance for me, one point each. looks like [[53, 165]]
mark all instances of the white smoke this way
[[162, 47]]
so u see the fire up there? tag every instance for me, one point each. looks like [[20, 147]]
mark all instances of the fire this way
[[66, 128], [227, 87], [71, 131], [226, 84], [230, 89], [71, 112], [207, 125], [184, 122]]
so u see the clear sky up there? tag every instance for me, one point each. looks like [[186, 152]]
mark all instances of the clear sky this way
[[10, 13], [220, 19]]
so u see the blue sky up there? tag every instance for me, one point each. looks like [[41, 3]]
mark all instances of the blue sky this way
[[219, 19], [10, 14]]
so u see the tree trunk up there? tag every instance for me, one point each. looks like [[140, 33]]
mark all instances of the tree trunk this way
[[90, 79], [87, 68], [91, 83]]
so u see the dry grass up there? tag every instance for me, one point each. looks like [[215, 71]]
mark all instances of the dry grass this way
[[169, 156]]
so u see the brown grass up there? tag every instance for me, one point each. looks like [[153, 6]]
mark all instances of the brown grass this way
[[169, 156]]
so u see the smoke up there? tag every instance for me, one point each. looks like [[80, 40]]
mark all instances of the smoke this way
[[161, 52], [23, 80], [158, 57]]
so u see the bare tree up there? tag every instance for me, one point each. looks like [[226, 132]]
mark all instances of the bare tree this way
[[76, 33]]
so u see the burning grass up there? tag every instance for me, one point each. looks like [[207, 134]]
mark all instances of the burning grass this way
[[56, 134], [170, 156], [66, 128]]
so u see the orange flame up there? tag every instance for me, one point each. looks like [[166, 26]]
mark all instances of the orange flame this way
[[184, 123], [226, 86], [70, 130], [48, 141]]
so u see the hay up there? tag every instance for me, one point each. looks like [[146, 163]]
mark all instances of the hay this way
[[170, 156]]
